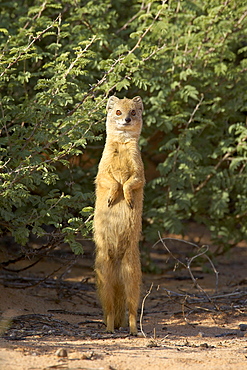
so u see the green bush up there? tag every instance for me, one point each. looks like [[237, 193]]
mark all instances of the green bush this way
[[60, 60]]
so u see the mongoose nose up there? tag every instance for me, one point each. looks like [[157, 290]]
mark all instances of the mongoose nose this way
[[127, 119]]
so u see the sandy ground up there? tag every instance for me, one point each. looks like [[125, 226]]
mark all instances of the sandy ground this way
[[56, 322]]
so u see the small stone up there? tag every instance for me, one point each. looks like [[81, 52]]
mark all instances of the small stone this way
[[240, 334], [95, 335], [243, 327], [61, 352], [201, 334], [140, 335], [87, 355]]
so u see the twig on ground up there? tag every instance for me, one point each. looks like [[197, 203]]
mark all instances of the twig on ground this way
[[23, 268], [40, 253], [142, 309]]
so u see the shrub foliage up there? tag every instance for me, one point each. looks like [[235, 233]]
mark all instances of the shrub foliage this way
[[60, 60]]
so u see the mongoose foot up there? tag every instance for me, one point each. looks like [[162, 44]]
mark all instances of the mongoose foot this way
[[110, 331], [132, 324], [134, 334]]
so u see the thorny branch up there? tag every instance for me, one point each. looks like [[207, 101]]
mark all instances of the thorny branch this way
[[210, 175], [29, 46], [91, 91], [133, 18], [186, 127], [119, 60]]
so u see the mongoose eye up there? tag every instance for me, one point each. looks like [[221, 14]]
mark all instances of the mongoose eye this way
[[133, 112], [118, 112]]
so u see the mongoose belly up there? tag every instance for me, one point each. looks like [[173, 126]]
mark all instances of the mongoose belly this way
[[118, 227]]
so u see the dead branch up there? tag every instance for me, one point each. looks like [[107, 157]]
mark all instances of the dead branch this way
[[23, 268], [193, 298], [142, 309], [39, 253], [202, 252], [33, 325]]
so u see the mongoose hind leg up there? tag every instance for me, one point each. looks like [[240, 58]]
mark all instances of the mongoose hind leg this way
[[132, 304], [110, 322], [132, 278], [106, 294]]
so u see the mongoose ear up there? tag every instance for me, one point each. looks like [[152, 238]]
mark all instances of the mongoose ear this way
[[111, 101], [138, 101]]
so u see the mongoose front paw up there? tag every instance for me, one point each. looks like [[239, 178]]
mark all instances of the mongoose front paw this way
[[113, 194], [110, 202], [128, 195], [130, 203]]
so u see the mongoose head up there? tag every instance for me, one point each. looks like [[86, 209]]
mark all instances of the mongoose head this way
[[124, 118]]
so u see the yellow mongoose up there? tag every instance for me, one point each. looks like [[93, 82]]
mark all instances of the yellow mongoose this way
[[118, 214]]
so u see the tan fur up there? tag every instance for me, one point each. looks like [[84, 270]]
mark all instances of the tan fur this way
[[118, 214]]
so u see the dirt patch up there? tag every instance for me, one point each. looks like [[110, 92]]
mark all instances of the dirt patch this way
[[51, 318]]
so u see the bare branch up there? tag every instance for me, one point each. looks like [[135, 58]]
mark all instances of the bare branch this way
[[142, 308], [202, 252]]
